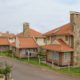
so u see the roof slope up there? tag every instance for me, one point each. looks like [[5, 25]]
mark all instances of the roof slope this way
[[61, 47], [63, 30], [4, 41], [7, 35], [32, 33], [26, 43]]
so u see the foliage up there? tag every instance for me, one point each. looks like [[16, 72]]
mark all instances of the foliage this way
[[41, 51], [6, 53], [9, 53], [5, 70]]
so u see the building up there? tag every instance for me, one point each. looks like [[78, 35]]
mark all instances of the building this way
[[29, 32], [6, 39], [62, 44], [4, 44], [24, 47], [9, 36], [59, 52], [59, 44], [27, 42]]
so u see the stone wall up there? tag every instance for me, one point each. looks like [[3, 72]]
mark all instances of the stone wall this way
[[26, 29], [75, 21]]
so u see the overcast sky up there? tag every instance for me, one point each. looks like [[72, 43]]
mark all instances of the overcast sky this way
[[43, 15]]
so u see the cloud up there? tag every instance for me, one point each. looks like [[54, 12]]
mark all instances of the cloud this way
[[42, 15], [68, 2]]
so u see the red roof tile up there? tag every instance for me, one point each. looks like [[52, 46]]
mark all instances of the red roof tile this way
[[61, 47], [63, 30], [4, 41], [27, 43], [7, 35], [32, 33]]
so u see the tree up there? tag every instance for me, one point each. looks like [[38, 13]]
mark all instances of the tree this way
[[41, 54], [6, 70]]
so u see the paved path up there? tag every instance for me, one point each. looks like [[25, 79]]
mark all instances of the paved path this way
[[23, 71]]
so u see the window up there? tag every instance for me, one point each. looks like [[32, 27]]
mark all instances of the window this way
[[67, 56], [66, 38], [53, 38], [55, 55]]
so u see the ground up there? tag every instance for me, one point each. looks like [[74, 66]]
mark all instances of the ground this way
[[22, 71]]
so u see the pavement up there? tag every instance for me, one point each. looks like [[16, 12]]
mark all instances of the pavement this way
[[22, 71]]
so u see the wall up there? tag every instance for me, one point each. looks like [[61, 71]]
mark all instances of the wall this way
[[24, 52], [17, 53], [47, 40], [66, 58], [17, 42], [40, 41], [68, 41], [50, 40], [51, 55], [11, 40], [4, 48], [75, 21]]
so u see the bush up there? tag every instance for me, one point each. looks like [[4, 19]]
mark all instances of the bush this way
[[5, 70]]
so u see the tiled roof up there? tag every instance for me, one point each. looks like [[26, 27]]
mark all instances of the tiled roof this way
[[63, 30], [32, 33], [61, 47], [7, 35], [27, 43], [4, 41]]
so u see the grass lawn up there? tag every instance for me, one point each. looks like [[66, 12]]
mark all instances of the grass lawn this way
[[71, 70], [35, 61], [3, 53]]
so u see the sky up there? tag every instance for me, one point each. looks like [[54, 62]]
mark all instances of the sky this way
[[42, 15]]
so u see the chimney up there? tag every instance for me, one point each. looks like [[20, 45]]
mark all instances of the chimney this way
[[75, 22], [26, 29]]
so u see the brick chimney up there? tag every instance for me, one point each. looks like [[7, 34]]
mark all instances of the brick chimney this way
[[75, 22], [26, 29]]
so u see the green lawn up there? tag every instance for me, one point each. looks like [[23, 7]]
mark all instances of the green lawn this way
[[5, 53], [73, 71], [35, 61]]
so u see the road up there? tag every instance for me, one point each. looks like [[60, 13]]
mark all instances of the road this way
[[23, 71]]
